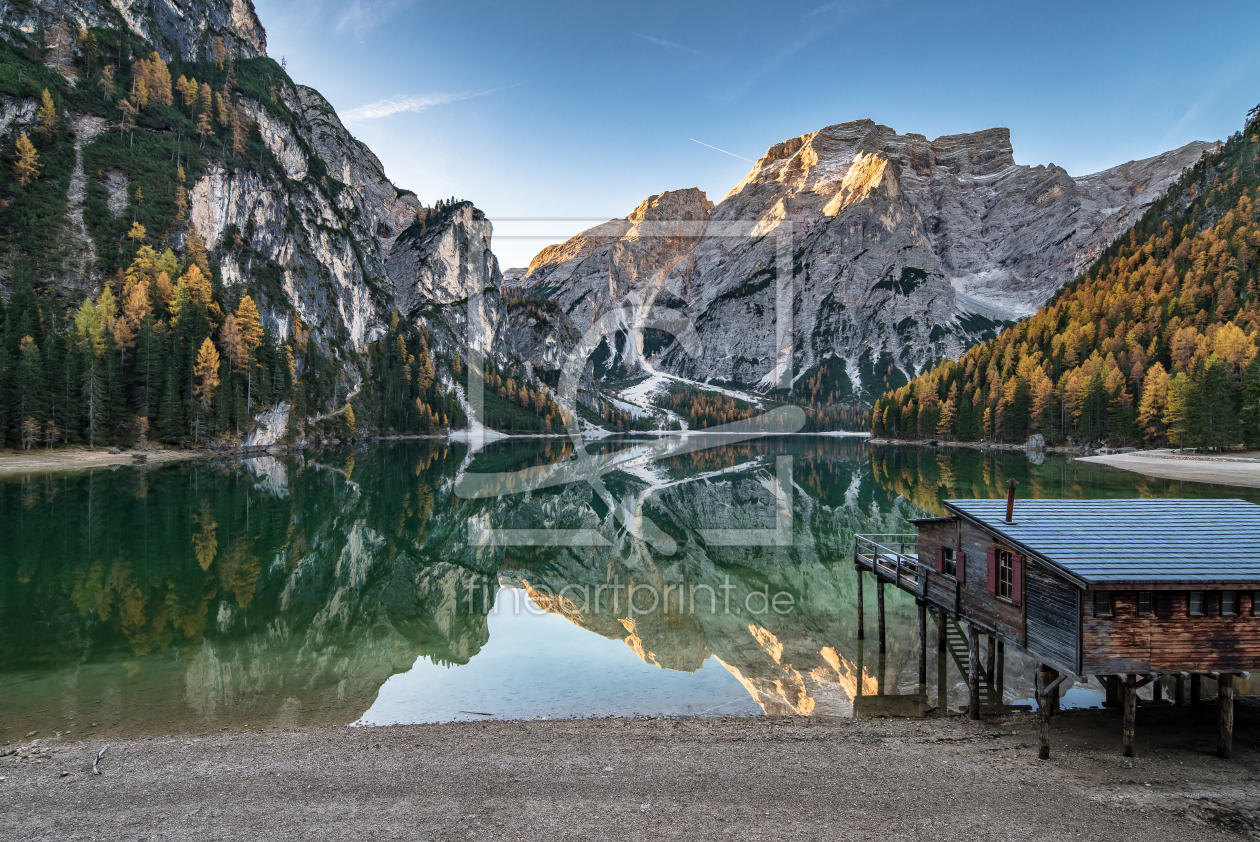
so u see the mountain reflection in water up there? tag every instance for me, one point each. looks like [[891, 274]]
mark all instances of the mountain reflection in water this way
[[287, 591]]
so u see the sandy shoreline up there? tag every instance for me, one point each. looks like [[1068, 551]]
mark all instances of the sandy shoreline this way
[[77, 459], [745, 778], [1217, 470]]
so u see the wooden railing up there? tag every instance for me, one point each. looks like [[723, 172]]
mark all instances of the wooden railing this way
[[893, 558]]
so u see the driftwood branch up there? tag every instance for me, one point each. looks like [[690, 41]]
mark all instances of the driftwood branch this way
[[99, 755]]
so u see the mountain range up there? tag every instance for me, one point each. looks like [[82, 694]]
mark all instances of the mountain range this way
[[903, 252]]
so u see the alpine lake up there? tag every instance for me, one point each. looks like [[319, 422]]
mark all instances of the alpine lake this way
[[424, 581]]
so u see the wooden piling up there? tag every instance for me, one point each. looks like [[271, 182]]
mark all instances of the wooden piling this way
[[861, 628], [1225, 724], [922, 642], [991, 656], [1045, 677], [1113, 692], [1130, 712], [973, 678], [940, 629], [879, 599], [1196, 689], [1001, 668], [942, 683], [1157, 688], [1180, 691], [861, 675]]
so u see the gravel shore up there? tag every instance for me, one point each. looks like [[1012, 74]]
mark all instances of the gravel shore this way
[[596, 779]]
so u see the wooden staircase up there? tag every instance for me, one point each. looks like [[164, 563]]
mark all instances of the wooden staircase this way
[[956, 643]]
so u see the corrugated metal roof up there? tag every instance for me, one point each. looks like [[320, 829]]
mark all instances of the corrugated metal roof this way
[[1145, 540]]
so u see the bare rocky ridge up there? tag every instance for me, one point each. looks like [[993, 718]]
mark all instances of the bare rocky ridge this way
[[183, 28], [904, 250]]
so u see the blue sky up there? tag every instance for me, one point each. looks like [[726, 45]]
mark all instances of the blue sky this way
[[574, 112]]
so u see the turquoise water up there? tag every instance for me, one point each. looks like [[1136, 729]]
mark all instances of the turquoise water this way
[[358, 585]]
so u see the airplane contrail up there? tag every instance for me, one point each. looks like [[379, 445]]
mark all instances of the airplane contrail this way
[[732, 154]]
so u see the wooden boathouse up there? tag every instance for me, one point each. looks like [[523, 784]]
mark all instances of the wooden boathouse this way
[[1124, 590]]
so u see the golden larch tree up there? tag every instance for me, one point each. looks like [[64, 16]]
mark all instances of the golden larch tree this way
[[27, 166], [250, 323], [195, 250], [232, 343], [158, 76], [221, 109], [203, 127], [198, 285], [47, 116], [206, 371]]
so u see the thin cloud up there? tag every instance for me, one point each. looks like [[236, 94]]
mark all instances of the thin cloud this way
[[669, 45], [400, 104], [362, 16], [833, 14]]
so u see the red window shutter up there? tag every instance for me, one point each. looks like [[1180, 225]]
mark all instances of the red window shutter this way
[[991, 560], [1017, 579], [960, 566], [940, 559]]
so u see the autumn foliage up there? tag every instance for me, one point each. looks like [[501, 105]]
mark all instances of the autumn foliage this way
[[1157, 343]]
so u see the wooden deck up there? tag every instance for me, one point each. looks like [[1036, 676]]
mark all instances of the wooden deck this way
[[893, 559]]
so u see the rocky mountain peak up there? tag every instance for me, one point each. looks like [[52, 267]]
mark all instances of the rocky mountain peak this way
[[184, 29], [905, 250], [673, 205]]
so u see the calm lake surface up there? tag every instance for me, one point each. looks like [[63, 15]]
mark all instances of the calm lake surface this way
[[419, 582]]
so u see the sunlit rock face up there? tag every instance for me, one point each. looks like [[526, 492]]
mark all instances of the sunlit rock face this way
[[898, 244]]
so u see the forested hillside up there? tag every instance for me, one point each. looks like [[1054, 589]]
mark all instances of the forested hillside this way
[[118, 324], [1156, 343]]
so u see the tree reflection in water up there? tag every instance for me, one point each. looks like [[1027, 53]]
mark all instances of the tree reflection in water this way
[[287, 590]]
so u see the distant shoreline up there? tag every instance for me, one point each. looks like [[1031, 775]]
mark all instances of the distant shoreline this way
[[1242, 472]]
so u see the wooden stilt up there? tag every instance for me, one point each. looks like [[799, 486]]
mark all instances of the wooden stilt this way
[[991, 656], [1130, 712], [861, 675], [942, 679], [879, 599], [1225, 729], [1180, 691], [973, 679], [883, 671], [1045, 677], [1196, 689], [1001, 667], [1157, 689], [861, 626], [940, 630], [1113, 692], [922, 643]]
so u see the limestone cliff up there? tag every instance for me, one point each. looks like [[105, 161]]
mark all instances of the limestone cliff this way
[[296, 212], [903, 250]]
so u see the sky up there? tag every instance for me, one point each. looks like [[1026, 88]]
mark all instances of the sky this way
[[555, 116]]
